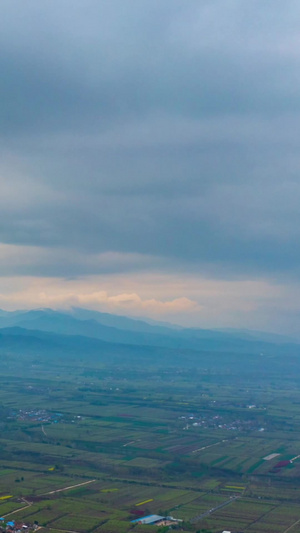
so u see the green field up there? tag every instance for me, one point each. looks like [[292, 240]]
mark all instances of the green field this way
[[85, 445]]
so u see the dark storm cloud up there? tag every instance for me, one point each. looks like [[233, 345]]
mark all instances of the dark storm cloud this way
[[168, 129], [69, 64]]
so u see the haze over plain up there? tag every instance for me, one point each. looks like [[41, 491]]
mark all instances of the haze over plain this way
[[150, 159]]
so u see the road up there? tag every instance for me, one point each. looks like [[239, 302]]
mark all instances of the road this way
[[29, 504], [291, 527], [210, 445], [211, 511], [295, 458], [65, 530], [68, 488], [51, 492]]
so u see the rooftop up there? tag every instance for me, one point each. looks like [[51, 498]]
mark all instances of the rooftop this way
[[150, 519]]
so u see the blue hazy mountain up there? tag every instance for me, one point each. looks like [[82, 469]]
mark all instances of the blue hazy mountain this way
[[123, 330], [32, 347]]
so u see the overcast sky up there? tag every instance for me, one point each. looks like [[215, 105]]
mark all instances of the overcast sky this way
[[150, 159]]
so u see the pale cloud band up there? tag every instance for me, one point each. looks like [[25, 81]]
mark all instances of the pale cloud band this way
[[198, 301]]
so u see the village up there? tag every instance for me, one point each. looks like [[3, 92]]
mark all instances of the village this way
[[35, 415], [12, 526], [218, 422]]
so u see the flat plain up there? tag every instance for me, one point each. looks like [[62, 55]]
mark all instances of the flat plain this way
[[89, 444]]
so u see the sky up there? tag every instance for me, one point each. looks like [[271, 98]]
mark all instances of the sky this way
[[150, 161]]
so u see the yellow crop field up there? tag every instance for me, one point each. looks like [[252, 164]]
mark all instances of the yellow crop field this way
[[142, 503]]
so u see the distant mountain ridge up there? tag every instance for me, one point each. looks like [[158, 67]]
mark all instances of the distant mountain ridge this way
[[37, 348], [127, 331]]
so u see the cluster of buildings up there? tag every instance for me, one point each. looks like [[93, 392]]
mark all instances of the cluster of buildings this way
[[37, 415], [218, 422], [11, 526]]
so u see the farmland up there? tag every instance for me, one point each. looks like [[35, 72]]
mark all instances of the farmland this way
[[89, 444]]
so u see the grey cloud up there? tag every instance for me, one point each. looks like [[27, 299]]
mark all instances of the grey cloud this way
[[18, 260], [165, 129], [72, 65]]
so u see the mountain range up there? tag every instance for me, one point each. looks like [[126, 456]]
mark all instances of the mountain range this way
[[96, 330]]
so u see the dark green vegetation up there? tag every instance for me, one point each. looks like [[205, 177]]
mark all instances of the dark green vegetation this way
[[133, 429]]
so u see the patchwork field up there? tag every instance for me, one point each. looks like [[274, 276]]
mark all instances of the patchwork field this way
[[91, 447]]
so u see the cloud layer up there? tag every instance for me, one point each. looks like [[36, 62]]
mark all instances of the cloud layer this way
[[150, 136]]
